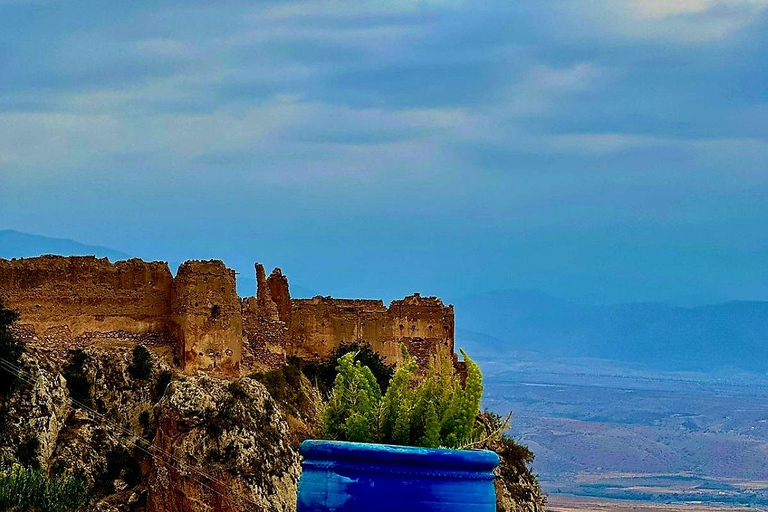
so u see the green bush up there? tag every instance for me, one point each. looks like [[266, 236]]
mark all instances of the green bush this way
[[324, 373], [141, 363], [30, 490], [77, 383], [430, 411], [11, 349], [352, 411]]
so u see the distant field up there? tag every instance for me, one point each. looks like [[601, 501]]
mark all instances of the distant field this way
[[562, 503], [608, 432]]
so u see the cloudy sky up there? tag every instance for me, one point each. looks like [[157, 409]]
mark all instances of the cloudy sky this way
[[598, 150]]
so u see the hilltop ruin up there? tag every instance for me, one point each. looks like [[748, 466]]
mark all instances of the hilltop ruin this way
[[69, 302]]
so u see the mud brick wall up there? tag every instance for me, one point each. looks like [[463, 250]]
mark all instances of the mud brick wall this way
[[67, 302], [319, 325], [206, 311], [63, 299]]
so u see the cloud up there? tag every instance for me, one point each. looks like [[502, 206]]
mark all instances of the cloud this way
[[676, 21], [597, 143], [480, 127], [659, 9]]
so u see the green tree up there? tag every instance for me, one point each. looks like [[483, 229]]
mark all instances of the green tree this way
[[351, 413], [141, 363], [324, 374], [398, 403], [11, 349]]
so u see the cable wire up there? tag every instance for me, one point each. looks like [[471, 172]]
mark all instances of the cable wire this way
[[27, 377]]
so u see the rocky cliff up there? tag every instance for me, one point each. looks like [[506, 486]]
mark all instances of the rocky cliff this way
[[168, 442], [157, 440]]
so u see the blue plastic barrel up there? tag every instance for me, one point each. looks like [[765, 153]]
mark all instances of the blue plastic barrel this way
[[342, 476]]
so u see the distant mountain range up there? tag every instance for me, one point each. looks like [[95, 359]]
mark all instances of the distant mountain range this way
[[15, 244], [661, 336]]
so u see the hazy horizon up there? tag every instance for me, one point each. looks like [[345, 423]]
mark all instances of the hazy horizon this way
[[246, 276]]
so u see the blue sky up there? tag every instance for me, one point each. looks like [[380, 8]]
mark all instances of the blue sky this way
[[604, 151]]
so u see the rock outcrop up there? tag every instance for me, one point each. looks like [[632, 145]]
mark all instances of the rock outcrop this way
[[170, 442], [227, 446]]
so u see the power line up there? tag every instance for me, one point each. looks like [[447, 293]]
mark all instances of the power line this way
[[28, 378]]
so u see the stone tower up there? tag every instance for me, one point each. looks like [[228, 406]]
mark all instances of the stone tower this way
[[206, 311]]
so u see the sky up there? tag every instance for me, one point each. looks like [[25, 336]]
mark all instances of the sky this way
[[601, 151]]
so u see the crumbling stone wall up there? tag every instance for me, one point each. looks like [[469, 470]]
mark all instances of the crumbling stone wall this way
[[321, 324], [265, 339], [279, 292], [423, 323], [207, 314], [68, 301]]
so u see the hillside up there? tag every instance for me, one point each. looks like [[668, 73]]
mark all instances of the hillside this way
[[658, 335], [15, 244]]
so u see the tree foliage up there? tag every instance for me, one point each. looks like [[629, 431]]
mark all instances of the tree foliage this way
[[141, 363], [429, 410], [324, 373], [11, 349], [351, 412]]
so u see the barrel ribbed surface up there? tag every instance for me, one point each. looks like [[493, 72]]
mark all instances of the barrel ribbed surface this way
[[340, 476]]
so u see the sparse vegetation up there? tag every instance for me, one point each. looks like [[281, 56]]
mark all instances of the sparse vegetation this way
[[11, 349], [519, 484], [31, 490], [284, 385], [141, 363], [430, 411], [77, 382]]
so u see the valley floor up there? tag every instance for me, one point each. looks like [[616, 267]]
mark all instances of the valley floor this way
[[605, 431], [565, 503]]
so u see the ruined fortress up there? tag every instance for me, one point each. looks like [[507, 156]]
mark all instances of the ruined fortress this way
[[68, 302]]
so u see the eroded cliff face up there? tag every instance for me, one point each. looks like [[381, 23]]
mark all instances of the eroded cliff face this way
[[236, 430], [194, 444]]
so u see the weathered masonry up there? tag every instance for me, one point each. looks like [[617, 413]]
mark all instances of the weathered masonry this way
[[68, 302]]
